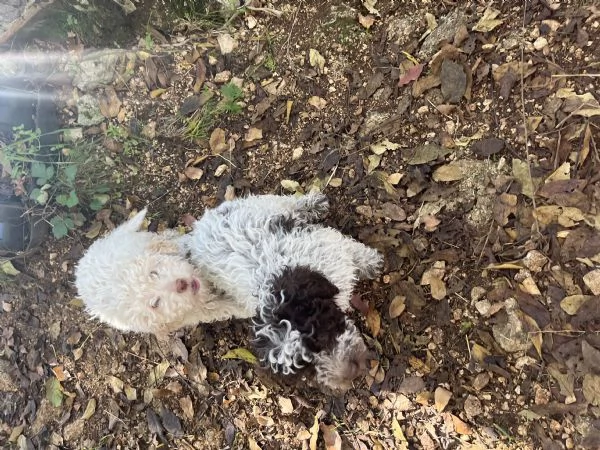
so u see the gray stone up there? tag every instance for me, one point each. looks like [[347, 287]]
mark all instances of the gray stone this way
[[88, 111], [447, 28], [96, 69]]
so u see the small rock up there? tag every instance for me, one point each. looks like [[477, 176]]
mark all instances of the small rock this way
[[477, 293], [483, 307], [592, 281], [98, 68], [535, 261], [454, 81], [88, 111], [220, 170], [540, 43], [229, 192], [73, 430], [73, 134], [481, 381], [297, 153], [511, 335], [473, 406], [222, 77], [364, 210], [446, 30]]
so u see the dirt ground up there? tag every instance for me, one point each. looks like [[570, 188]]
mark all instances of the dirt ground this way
[[458, 138]]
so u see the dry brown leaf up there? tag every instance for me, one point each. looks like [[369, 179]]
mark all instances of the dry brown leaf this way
[[565, 382], [314, 433], [382, 146], [109, 103], [253, 134], [286, 406], [187, 407], [155, 93], [449, 172], [59, 373], [534, 332], [200, 75], [479, 353], [520, 171], [395, 178], [591, 388], [193, 173], [316, 60], [366, 21], [252, 445], [373, 163], [488, 22], [585, 146], [290, 185], [565, 215], [217, 141], [441, 397], [528, 285], [157, 373], [399, 437], [397, 306], [370, 6], [433, 277], [562, 173], [373, 321], [592, 281], [90, 409], [572, 303], [332, 439], [410, 73], [317, 102], [460, 426]]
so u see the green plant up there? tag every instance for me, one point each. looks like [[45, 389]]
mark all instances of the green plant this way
[[196, 12], [131, 144], [148, 42], [196, 126], [65, 180]]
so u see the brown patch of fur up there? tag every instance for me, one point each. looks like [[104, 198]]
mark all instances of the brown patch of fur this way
[[309, 307]]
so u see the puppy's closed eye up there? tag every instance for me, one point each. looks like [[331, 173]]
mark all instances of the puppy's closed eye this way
[[154, 303], [154, 275]]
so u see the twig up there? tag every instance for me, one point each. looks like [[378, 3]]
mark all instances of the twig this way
[[294, 20], [573, 75], [524, 116]]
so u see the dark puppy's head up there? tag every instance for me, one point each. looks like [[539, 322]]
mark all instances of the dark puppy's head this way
[[301, 323]]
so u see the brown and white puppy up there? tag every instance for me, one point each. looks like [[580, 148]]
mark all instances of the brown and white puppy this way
[[300, 324]]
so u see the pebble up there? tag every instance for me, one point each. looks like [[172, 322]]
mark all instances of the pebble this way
[[477, 293], [473, 406], [483, 307], [540, 43], [535, 261], [481, 381]]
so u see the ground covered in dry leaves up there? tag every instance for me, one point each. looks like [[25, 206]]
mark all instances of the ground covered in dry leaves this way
[[461, 141]]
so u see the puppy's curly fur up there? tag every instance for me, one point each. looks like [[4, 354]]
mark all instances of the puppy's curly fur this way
[[245, 247], [140, 281], [301, 324]]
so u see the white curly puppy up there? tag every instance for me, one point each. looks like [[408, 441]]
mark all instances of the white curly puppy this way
[[268, 256], [140, 281]]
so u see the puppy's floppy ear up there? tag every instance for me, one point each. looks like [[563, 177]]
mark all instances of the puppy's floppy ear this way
[[304, 284], [133, 224]]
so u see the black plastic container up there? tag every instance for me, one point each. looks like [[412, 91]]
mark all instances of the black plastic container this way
[[17, 232]]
